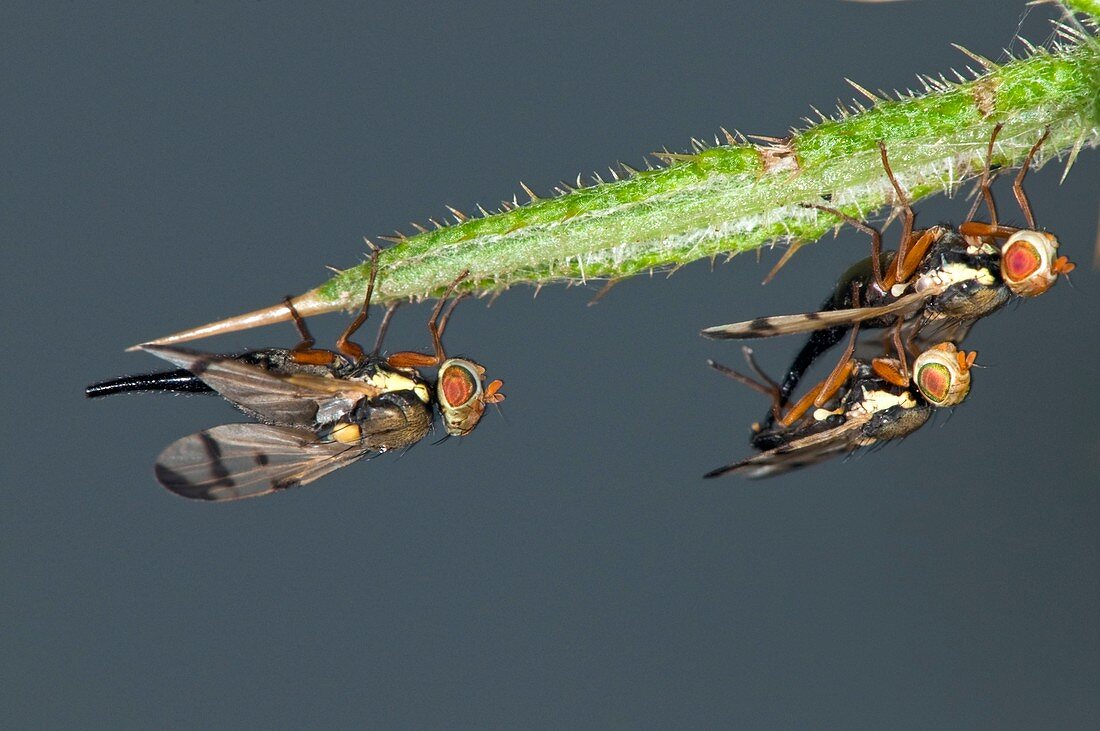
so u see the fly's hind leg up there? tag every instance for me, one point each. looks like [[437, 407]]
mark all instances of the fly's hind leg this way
[[985, 191], [765, 385], [874, 233]]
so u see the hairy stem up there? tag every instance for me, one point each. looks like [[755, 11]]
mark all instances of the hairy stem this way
[[1088, 7], [737, 196]]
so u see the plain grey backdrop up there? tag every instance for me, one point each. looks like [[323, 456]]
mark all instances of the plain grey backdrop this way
[[565, 565]]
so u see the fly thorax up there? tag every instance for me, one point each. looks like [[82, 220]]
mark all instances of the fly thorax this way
[[389, 381], [877, 400], [953, 273], [982, 249]]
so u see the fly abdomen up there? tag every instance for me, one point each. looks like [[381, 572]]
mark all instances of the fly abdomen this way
[[177, 381]]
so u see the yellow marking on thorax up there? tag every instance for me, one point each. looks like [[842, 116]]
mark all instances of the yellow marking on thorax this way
[[388, 381], [952, 274], [876, 401]]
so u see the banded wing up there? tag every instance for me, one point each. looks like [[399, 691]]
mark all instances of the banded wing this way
[[287, 400], [798, 453], [235, 461], [767, 327]]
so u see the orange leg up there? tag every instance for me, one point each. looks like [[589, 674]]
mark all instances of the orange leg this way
[[1018, 186], [412, 359], [304, 352], [820, 394], [907, 212], [977, 228], [984, 186], [876, 240], [887, 369], [383, 328], [843, 368], [771, 392], [765, 385], [913, 257], [914, 333], [447, 315], [899, 347], [343, 343]]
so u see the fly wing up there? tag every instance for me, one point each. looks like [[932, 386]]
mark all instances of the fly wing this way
[[288, 400], [767, 327], [939, 331], [798, 453], [235, 461]]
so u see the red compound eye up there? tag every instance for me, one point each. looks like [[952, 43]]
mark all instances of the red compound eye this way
[[942, 375], [457, 385], [1020, 261], [934, 382]]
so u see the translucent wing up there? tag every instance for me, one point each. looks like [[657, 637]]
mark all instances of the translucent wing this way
[[767, 327], [798, 453], [939, 331], [281, 399], [236, 461]]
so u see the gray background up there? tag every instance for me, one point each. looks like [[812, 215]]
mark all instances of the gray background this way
[[564, 565]]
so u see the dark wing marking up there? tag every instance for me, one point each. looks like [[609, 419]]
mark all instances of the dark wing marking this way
[[767, 327], [236, 461], [798, 453], [288, 400]]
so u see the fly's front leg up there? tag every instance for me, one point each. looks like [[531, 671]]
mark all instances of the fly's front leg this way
[[412, 359], [383, 328], [988, 230], [344, 343], [1018, 186], [985, 190]]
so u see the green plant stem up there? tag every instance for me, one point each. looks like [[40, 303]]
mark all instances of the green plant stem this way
[[1088, 7], [736, 197]]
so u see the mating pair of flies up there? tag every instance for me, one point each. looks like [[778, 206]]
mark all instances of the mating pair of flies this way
[[927, 294], [316, 410]]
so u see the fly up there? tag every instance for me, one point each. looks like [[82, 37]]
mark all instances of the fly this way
[[939, 282], [317, 410], [861, 403]]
